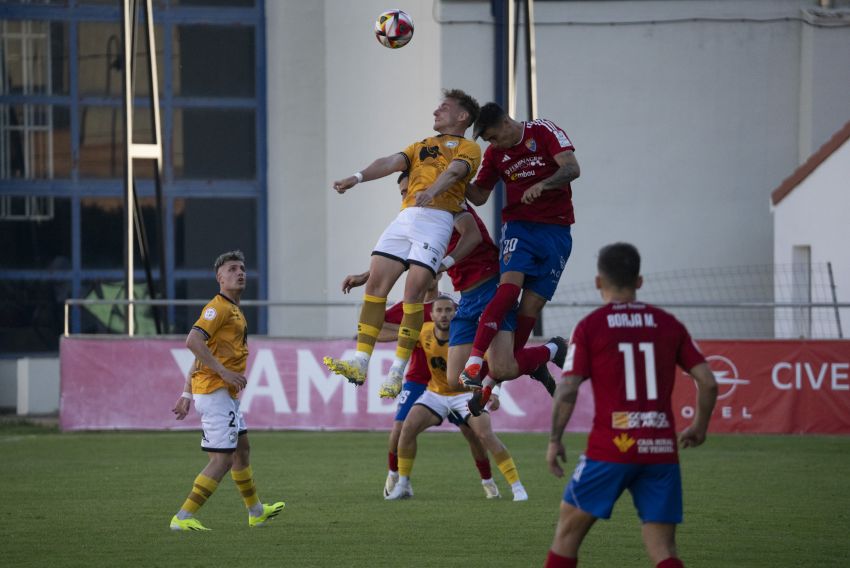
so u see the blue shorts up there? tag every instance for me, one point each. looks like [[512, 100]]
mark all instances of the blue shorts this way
[[656, 489], [410, 393], [538, 250], [472, 304]]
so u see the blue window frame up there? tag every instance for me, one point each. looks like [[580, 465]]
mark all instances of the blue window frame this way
[[61, 156]]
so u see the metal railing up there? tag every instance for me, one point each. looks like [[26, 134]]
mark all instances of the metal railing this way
[[550, 307]]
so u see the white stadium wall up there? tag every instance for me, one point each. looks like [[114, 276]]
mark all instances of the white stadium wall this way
[[682, 129]]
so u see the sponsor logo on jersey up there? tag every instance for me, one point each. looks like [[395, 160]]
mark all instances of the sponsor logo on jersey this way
[[429, 152], [656, 446], [531, 144], [624, 442], [626, 420], [209, 314], [506, 158]]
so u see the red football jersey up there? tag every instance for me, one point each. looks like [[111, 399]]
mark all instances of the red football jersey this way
[[478, 265], [529, 161], [630, 352], [417, 369]]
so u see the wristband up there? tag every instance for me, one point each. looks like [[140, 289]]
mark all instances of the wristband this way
[[448, 262], [359, 176], [187, 394]]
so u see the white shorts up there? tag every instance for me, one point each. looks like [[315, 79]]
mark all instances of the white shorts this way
[[443, 404], [418, 235], [221, 420]]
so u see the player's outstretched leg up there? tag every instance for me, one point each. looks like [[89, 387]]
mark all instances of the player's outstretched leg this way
[[542, 375]]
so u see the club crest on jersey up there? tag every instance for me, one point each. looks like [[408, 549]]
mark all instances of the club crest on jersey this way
[[531, 144], [209, 314], [450, 144]]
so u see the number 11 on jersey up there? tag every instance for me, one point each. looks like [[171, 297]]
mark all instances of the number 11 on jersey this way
[[648, 350]]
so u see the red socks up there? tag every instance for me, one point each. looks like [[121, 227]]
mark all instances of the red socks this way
[[530, 358], [524, 327], [484, 468], [392, 461], [503, 301], [555, 561], [671, 562]]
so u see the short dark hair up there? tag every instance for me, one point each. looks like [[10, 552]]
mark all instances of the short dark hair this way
[[467, 103], [446, 298], [619, 263], [491, 114], [402, 175], [227, 257]]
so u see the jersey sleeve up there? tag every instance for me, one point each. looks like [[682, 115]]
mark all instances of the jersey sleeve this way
[[211, 320], [469, 153], [554, 139], [689, 355], [488, 175], [578, 352]]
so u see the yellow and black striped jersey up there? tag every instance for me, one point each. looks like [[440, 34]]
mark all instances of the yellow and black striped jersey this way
[[430, 157], [224, 325]]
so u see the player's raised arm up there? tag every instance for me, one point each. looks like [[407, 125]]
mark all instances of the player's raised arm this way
[[379, 168], [470, 237], [694, 435], [354, 281], [567, 171], [477, 195], [563, 404]]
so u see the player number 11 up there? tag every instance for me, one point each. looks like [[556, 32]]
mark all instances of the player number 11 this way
[[648, 350]]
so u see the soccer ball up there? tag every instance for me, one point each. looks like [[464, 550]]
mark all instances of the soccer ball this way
[[394, 29]]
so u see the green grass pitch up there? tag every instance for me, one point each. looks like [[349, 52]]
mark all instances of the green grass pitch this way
[[105, 499]]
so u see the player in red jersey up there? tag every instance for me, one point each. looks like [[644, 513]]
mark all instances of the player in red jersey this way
[[536, 161], [629, 350]]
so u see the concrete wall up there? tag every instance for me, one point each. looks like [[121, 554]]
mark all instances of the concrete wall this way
[[815, 215], [683, 125]]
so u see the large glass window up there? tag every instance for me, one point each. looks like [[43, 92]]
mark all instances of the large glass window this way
[[204, 228], [62, 203]]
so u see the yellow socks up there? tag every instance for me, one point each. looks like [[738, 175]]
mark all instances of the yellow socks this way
[[244, 480], [405, 461], [371, 321], [506, 465], [408, 332], [202, 489]]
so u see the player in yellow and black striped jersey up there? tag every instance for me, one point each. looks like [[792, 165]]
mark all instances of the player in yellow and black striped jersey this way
[[440, 168], [219, 341], [439, 401]]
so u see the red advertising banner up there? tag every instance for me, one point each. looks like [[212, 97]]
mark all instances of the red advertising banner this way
[[120, 383], [775, 387]]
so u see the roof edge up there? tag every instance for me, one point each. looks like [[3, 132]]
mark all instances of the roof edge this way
[[810, 165]]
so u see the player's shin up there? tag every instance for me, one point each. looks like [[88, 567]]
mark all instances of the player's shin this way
[[524, 327], [408, 334], [244, 480], [530, 358], [488, 326], [369, 325], [202, 489]]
